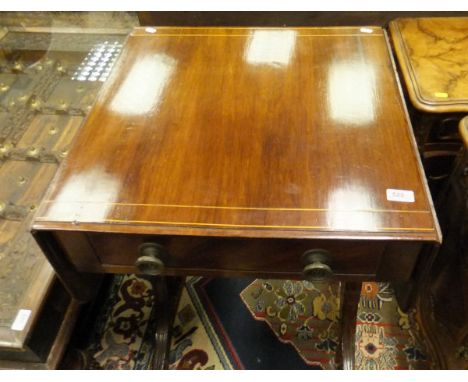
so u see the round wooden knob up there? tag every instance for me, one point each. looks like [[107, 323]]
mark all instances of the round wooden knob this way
[[317, 266], [151, 259]]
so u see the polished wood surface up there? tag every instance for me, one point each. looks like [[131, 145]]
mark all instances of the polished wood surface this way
[[197, 255], [350, 295], [235, 150], [228, 131], [432, 56], [168, 291]]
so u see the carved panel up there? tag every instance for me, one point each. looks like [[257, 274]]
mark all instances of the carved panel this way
[[6, 127], [14, 284], [49, 136], [57, 41], [73, 97], [36, 131], [8, 231], [20, 93], [23, 183], [6, 81]]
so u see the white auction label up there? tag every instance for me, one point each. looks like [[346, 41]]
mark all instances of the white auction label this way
[[21, 320], [406, 196]]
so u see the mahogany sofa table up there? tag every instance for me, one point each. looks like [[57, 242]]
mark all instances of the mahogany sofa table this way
[[263, 152]]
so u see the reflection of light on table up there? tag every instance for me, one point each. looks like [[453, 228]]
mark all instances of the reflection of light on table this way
[[98, 63], [270, 47], [95, 185], [143, 86], [346, 207], [351, 92]]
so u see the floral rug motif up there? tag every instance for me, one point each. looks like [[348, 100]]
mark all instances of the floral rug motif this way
[[307, 315], [122, 335], [213, 332], [300, 313], [195, 344]]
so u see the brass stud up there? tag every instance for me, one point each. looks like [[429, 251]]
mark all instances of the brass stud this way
[[33, 152], [35, 104], [18, 66], [5, 148]]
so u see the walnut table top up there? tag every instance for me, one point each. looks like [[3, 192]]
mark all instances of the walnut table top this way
[[432, 53]]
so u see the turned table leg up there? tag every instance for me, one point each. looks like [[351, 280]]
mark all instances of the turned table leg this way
[[167, 292], [350, 294]]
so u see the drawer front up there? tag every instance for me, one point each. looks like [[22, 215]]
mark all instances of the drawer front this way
[[237, 256]]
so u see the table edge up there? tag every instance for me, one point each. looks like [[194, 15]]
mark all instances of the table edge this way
[[414, 91]]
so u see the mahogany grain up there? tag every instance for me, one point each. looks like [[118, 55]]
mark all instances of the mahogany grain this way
[[238, 149], [229, 131]]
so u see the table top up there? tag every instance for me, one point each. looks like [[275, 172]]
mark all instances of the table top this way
[[247, 132], [433, 59]]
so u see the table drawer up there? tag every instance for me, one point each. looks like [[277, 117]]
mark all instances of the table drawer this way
[[237, 256]]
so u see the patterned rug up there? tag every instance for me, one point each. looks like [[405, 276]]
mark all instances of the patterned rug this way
[[248, 324], [307, 315]]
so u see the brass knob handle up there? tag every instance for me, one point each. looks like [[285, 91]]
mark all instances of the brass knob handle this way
[[317, 266], [151, 259]]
